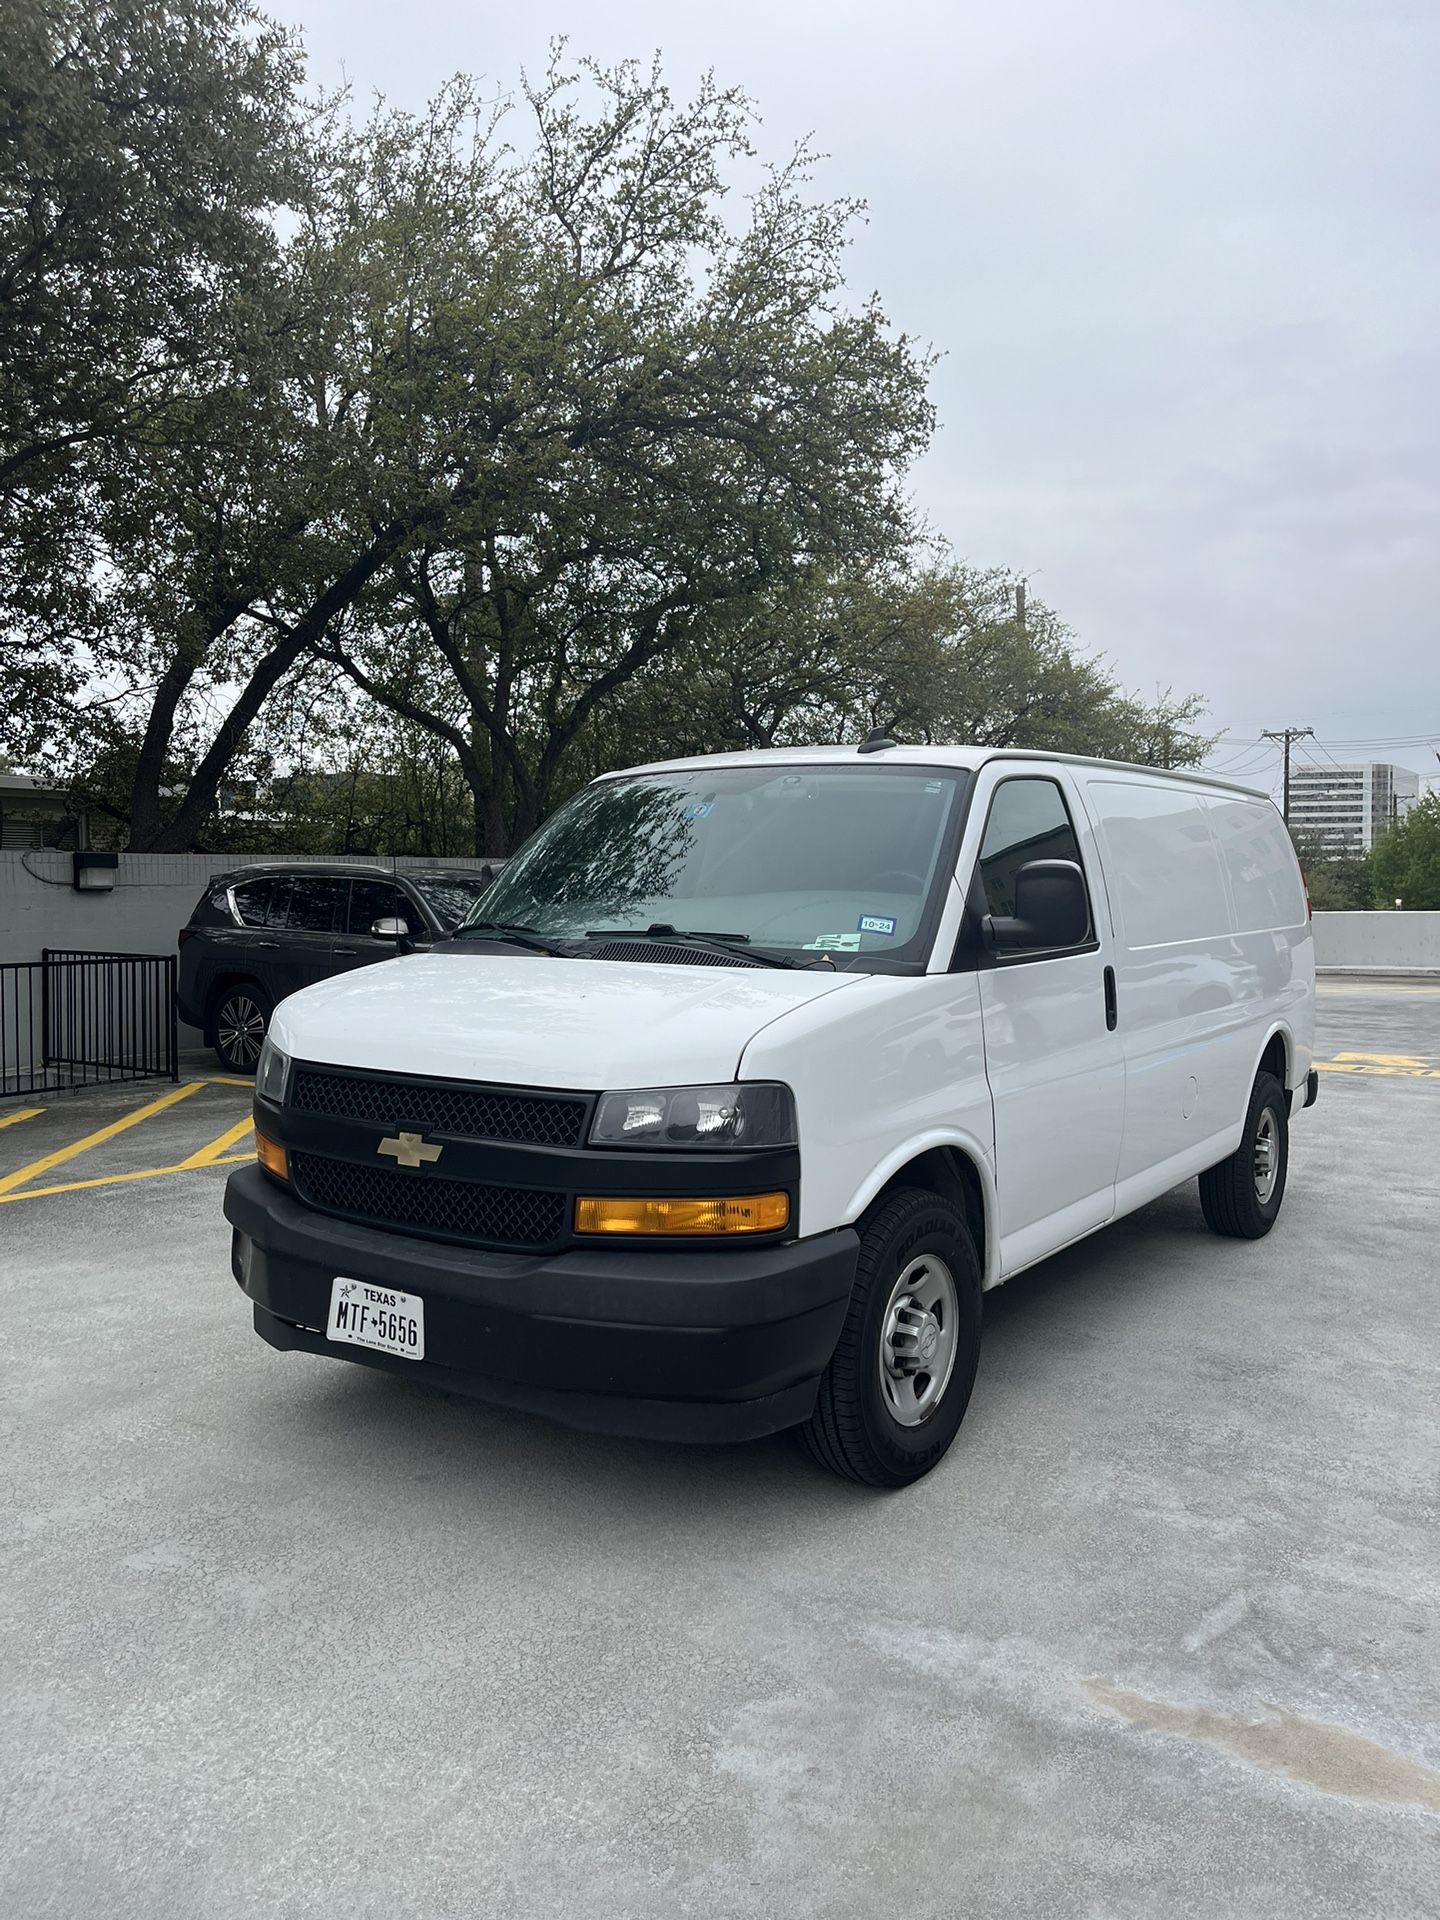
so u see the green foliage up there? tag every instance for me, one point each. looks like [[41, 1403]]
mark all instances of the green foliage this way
[[1405, 862], [1337, 883]]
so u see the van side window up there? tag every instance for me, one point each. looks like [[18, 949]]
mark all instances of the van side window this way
[[1028, 821]]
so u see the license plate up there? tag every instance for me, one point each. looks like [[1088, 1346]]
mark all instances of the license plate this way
[[378, 1318]]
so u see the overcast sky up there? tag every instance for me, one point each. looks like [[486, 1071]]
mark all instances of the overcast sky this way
[[1181, 260]]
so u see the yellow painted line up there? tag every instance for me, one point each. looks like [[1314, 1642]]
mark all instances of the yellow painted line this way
[[1413, 1061], [207, 1156], [1366, 1071], [25, 1113], [120, 1179], [219, 1080], [62, 1154]]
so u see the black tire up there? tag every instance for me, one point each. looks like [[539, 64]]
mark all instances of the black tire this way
[[239, 1021], [854, 1430], [1237, 1202]]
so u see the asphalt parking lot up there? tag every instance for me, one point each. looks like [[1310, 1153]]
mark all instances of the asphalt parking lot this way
[[1159, 1638]]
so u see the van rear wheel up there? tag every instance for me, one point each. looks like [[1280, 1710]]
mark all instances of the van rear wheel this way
[[1241, 1197], [895, 1391]]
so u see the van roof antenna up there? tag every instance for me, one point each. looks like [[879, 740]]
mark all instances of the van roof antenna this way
[[876, 741]]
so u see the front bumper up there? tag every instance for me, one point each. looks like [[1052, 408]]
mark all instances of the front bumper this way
[[721, 1344]]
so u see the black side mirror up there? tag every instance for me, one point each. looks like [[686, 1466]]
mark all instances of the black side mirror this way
[[1051, 910]]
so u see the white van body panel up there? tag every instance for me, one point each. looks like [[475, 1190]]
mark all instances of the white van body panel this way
[[879, 1078], [1199, 998], [533, 1021]]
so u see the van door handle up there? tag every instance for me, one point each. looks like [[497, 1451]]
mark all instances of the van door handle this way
[[1112, 1009]]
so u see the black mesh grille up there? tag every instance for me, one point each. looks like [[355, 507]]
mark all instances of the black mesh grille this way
[[672, 956], [424, 1203], [472, 1113]]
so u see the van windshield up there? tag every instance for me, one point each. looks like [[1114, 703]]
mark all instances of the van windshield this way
[[814, 859]]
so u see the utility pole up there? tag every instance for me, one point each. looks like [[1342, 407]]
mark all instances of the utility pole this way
[[1285, 738]]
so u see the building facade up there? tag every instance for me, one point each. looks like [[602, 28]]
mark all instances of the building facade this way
[[1347, 808]]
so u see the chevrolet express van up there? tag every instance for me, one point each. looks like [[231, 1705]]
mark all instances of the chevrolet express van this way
[[751, 1073]]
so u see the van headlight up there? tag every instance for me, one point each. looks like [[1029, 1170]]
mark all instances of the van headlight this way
[[748, 1114], [272, 1073]]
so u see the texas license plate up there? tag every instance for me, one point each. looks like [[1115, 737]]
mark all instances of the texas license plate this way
[[378, 1318]]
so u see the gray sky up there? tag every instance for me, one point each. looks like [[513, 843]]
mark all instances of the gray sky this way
[[1181, 259]]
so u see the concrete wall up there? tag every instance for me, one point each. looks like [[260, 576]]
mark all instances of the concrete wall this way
[[1377, 942], [153, 896]]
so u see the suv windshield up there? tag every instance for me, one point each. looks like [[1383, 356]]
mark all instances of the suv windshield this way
[[817, 859], [449, 899]]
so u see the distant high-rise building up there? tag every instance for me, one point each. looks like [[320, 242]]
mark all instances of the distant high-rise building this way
[[1347, 808]]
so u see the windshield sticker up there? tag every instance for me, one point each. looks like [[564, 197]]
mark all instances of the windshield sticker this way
[[833, 943], [699, 810], [876, 923]]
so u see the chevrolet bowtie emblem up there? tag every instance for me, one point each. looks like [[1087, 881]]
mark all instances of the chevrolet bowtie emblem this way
[[410, 1149]]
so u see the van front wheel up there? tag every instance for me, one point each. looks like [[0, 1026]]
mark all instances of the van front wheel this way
[[895, 1391], [1241, 1197]]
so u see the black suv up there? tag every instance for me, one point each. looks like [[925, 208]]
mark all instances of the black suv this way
[[262, 932]]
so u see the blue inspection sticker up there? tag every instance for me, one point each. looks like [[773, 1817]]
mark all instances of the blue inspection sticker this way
[[875, 923], [699, 810]]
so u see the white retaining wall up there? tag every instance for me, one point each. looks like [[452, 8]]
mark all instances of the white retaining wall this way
[[1377, 942]]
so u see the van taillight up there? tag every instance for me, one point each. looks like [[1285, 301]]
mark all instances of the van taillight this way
[[1309, 912]]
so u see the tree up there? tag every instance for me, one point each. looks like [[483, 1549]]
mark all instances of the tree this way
[[1405, 862], [655, 416], [1336, 882], [142, 150]]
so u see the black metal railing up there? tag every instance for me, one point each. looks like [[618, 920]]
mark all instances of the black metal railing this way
[[74, 1018]]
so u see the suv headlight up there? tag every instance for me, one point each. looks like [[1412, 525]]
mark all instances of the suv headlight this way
[[272, 1073], [745, 1114]]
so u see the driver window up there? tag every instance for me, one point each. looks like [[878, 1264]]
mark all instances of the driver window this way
[[1028, 821]]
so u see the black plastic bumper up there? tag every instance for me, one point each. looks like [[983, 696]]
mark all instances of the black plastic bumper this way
[[709, 1345]]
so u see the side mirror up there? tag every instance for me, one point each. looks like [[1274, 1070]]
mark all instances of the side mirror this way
[[1051, 910], [389, 928]]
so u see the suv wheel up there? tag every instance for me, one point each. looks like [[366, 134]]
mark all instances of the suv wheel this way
[[895, 1391], [242, 1013]]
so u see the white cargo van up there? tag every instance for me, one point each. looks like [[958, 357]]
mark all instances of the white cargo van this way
[[752, 1072]]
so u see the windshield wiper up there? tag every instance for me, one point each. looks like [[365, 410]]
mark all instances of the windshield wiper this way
[[701, 937], [516, 936]]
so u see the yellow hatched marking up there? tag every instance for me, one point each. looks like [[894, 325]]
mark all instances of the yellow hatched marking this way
[[1411, 1061], [221, 1080], [208, 1156], [14, 1119], [121, 1179], [62, 1154]]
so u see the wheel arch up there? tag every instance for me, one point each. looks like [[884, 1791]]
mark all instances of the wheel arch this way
[[952, 1166], [1276, 1056]]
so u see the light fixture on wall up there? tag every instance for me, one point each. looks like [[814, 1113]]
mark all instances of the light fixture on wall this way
[[95, 872]]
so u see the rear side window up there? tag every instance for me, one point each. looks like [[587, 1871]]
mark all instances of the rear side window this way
[[1259, 864], [1028, 821], [1163, 868], [252, 900], [314, 904], [372, 900]]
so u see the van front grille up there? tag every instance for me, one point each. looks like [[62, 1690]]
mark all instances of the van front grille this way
[[424, 1202], [467, 1112]]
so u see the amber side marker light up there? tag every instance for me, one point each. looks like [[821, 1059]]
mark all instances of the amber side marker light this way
[[271, 1156], [754, 1213]]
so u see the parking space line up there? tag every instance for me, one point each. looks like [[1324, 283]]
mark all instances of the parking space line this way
[[14, 1119], [121, 1179], [62, 1154], [223, 1080], [209, 1156]]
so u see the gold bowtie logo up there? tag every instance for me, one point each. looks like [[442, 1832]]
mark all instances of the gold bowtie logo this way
[[410, 1149]]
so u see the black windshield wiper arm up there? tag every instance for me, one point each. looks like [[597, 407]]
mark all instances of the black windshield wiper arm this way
[[516, 936], [700, 937]]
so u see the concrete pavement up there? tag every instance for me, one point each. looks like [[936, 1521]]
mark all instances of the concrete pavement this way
[[283, 1636]]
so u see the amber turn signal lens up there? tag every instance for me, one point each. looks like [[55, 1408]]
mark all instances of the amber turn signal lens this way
[[271, 1156], [755, 1213]]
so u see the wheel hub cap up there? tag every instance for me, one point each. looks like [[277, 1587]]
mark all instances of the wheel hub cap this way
[[918, 1339], [1266, 1164]]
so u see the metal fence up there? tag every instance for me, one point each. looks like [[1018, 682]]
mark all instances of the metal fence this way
[[74, 1018]]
